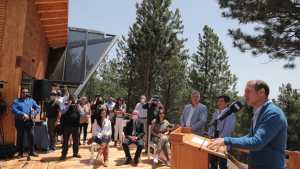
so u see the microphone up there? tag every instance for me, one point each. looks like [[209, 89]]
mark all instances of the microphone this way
[[232, 108]]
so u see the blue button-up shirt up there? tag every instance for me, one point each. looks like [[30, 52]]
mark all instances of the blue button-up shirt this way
[[24, 106]]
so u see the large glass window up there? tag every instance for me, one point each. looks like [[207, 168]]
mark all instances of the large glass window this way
[[74, 36], [84, 51], [94, 52], [74, 70]]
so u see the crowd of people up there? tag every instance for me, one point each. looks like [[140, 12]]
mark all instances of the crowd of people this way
[[109, 121]]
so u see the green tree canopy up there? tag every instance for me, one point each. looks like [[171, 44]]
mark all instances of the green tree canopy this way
[[277, 27], [209, 71]]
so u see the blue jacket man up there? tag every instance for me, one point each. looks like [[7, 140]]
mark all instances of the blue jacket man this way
[[268, 133], [25, 109]]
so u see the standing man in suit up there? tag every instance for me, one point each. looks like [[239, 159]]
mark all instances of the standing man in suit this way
[[268, 132], [134, 133], [194, 115]]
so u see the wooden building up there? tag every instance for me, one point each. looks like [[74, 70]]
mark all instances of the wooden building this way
[[28, 30]]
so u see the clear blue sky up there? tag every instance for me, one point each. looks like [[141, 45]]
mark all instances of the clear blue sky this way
[[115, 17]]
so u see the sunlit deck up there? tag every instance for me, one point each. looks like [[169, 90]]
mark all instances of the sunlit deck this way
[[51, 161]]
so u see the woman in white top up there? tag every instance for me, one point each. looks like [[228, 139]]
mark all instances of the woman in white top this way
[[102, 134]]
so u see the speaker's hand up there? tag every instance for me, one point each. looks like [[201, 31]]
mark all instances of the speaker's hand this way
[[215, 144]]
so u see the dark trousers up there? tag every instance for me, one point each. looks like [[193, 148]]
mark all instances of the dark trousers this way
[[84, 127], [22, 128], [52, 132], [140, 145], [67, 131], [217, 161]]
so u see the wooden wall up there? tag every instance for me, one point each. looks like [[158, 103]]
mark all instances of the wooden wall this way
[[24, 49]]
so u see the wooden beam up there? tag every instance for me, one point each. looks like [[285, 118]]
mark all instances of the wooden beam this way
[[57, 36], [55, 27], [60, 14], [52, 6], [56, 31], [50, 19], [54, 21], [59, 39], [38, 2], [53, 11]]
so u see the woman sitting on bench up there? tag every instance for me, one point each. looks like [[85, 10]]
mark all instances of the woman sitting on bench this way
[[101, 135], [160, 131]]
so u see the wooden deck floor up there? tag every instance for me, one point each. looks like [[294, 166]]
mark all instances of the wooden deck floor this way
[[51, 161]]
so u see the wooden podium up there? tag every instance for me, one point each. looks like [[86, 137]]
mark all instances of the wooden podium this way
[[189, 151]]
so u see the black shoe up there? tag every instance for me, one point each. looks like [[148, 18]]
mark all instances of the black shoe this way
[[128, 161], [28, 158], [34, 154], [62, 158], [135, 163], [77, 156]]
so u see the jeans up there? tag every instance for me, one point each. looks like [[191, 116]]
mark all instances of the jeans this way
[[84, 127], [28, 128], [52, 132]]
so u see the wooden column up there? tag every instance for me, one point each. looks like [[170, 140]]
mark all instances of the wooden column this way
[[24, 48], [12, 46]]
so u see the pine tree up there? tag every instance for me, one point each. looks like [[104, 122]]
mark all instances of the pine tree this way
[[153, 57], [209, 72], [289, 101], [277, 27]]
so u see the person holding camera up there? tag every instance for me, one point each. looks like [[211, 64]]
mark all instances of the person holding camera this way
[[95, 108], [25, 109], [53, 116], [70, 123]]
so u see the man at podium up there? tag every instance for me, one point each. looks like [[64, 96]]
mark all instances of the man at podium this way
[[268, 132], [194, 115]]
